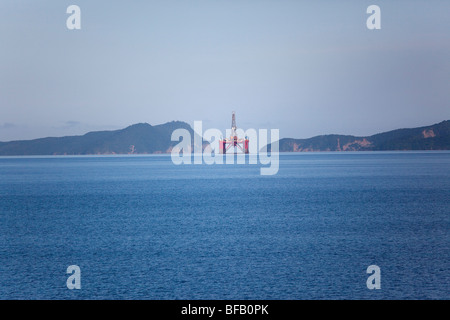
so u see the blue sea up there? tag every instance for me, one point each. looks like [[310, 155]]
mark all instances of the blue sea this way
[[140, 227]]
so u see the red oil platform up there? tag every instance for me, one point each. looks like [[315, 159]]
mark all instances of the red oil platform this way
[[233, 142]]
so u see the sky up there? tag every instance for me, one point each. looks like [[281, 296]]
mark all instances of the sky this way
[[303, 67]]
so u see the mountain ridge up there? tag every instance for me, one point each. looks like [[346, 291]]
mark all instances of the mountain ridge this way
[[137, 138], [143, 138], [433, 137]]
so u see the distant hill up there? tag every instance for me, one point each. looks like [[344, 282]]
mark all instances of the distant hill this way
[[139, 138], [143, 138], [434, 137]]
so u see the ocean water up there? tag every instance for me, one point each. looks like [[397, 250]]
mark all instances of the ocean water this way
[[140, 227]]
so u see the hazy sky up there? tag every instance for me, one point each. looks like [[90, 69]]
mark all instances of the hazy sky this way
[[304, 67]]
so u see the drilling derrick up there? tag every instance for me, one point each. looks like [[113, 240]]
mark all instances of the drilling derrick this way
[[233, 142], [233, 126]]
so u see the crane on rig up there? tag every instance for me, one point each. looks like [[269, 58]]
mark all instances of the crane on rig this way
[[234, 142]]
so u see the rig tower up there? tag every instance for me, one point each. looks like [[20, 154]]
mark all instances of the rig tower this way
[[233, 141]]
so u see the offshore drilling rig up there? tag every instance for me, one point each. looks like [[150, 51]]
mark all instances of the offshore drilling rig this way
[[233, 142]]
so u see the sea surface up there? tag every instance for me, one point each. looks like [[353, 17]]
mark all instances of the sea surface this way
[[140, 227]]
